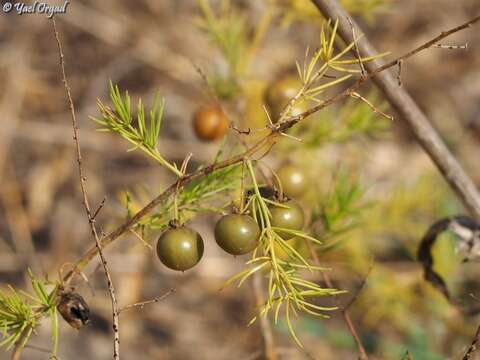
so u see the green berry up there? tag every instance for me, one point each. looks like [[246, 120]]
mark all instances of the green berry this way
[[237, 234], [180, 248]]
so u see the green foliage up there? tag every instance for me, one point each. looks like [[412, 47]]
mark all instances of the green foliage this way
[[408, 208], [326, 58], [342, 201], [287, 288], [145, 134], [21, 312], [341, 210], [199, 196], [16, 317], [202, 195], [395, 291]]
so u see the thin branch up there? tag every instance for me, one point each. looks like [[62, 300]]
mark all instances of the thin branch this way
[[426, 135], [208, 86], [401, 101], [451, 47], [425, 46], [83, 186], [142, 304], [473, 347]]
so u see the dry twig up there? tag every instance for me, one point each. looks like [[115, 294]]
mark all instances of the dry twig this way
[[142, 304], [86, 203]]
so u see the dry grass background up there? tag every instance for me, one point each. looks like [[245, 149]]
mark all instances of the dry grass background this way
[[147, 45]]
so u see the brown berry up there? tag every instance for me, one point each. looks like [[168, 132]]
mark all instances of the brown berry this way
[[210, 123]]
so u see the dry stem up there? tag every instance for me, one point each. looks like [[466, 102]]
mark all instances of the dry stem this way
[[86, 203]]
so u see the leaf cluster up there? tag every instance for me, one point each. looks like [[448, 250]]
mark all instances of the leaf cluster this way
[[21, 312], [139, 131]]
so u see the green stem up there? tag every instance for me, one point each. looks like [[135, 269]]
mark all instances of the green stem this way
[[257, 192]]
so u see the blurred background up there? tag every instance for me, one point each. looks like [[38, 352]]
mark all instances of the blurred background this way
[[149, 45]]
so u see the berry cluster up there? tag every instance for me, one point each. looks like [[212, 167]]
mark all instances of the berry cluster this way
[[181, 247]]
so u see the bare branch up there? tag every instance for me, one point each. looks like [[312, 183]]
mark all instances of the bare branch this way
[[86, 204]]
